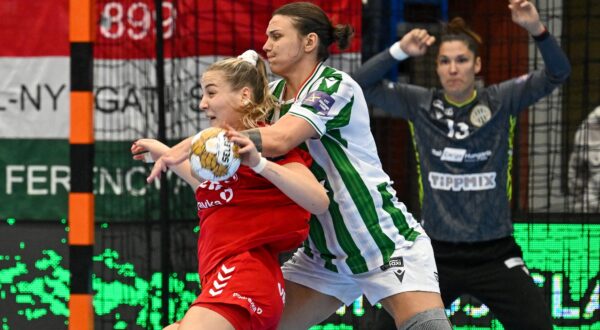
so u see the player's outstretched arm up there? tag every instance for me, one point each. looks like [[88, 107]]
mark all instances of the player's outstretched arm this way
[[153, 150], [293, 179], [175, 155]]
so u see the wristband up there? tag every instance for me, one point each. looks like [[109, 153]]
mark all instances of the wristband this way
[[397, 53], [542, 36], [262, 163]]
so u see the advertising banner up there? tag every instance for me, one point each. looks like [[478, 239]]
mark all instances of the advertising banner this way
[[35, 87]]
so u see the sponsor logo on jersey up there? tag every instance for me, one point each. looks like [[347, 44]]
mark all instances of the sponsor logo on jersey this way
[[320, 101], [480, 114], [253, 306], [397, 263], [208, 204], [225, 194], [394, 262], [457, 155], [464, 182], [453, 155], [399, 274], [478, 156]]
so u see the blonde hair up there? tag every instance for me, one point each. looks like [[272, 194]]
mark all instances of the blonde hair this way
[[240, 73]]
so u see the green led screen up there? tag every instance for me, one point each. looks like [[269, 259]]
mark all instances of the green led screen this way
[[34, 278]]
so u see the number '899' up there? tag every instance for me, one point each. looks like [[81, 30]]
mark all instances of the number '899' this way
[[134, 20]]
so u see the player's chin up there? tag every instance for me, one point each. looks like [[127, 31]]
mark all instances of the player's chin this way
[[274, 66]]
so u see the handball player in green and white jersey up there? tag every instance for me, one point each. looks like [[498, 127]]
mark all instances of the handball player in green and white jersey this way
[[367, 242]]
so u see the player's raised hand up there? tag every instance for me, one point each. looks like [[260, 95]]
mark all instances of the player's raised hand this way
[[525, 14], [416, 42]]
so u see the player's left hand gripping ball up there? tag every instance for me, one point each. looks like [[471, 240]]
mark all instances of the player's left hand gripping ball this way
[[213, 156]]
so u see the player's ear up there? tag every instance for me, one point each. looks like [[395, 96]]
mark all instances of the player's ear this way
[[311, 42], [246, 95]]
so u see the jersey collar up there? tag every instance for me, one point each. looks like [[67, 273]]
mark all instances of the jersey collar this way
[[461, 104], [306, 83]]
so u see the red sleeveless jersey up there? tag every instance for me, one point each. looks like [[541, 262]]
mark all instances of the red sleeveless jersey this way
[[248, 211]]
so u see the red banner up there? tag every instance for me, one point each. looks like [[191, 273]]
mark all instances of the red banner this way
[[193, 27], [126, 28], [34, 28]]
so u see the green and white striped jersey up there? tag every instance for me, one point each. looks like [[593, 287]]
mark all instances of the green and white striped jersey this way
[[365, 222]]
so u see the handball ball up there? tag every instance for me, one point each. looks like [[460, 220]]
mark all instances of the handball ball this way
[[213, 156]]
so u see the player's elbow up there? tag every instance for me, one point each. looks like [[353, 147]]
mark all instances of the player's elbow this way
[[561, 74], [564, 75]]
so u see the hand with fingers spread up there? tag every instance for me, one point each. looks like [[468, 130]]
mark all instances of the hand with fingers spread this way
[[176, 155], [416, 42], [525, 15], [149, 150]]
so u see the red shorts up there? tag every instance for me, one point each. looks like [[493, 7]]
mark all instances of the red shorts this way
[[246, 289]]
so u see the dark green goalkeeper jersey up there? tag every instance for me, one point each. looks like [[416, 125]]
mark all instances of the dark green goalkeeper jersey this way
[[464, 151]]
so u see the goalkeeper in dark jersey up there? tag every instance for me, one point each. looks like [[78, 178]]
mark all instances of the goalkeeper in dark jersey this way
[[464, 140]]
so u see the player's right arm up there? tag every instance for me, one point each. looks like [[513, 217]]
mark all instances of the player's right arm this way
[[284, 135], [160, 151]]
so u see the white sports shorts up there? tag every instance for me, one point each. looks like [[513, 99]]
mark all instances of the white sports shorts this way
[[409, 269]]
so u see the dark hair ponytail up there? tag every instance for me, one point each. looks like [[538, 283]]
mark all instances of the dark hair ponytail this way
[[310, 18], [457, 29]]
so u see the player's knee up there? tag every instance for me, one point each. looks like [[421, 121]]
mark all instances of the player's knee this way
[[431, 319]]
